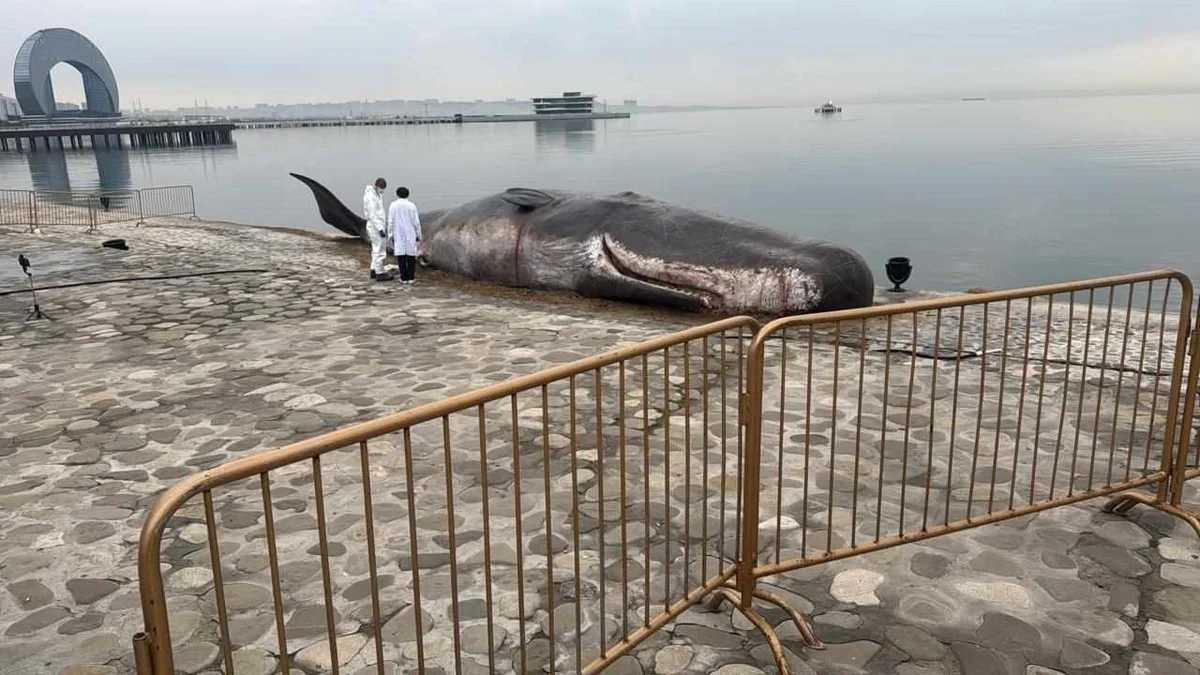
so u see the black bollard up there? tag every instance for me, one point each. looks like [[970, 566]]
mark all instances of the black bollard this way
[[898, 271]]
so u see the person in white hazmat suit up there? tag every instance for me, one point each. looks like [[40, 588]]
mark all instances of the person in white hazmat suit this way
[[376, 227], [404, 226]]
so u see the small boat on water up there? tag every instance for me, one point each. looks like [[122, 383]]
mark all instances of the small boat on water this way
[[827, 108]]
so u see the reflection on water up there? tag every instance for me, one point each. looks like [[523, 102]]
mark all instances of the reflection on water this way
[[112, 170], [1001, 194], [49, 171], [576, 136]]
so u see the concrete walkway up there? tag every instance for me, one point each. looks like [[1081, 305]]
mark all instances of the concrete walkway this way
[[136, 384]]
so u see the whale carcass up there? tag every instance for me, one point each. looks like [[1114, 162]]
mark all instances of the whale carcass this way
[[630, 247]]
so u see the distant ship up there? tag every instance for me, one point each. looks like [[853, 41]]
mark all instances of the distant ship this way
[[828, 108], [974, 98]]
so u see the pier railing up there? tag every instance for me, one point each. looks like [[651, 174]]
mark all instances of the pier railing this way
[[94, 209], [167, 201], [17, 208], [936, 418], [555, 521]]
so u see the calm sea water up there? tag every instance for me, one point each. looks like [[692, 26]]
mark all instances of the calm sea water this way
[[994, 193]]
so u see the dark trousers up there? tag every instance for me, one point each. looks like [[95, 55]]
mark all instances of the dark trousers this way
[[408, 267]]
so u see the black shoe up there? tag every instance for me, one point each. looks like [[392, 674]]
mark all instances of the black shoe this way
[[384, 277], [373, 275]]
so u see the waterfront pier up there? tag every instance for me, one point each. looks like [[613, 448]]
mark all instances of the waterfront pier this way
[[113, 135], [444, 119], [332, 122], [33, 138]]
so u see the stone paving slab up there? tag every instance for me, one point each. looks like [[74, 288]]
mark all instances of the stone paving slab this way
[[137, 384]]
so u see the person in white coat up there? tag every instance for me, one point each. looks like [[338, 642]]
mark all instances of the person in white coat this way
[[376, 227], [404, 226]]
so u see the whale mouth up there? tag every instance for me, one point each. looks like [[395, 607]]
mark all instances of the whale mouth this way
[[768, 289], [630, 266]]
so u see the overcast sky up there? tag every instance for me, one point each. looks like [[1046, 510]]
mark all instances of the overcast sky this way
[[168, 53]]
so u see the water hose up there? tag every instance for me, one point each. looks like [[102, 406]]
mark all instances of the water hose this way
[[119, 280]]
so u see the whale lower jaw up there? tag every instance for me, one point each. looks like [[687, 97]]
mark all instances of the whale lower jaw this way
[[762, 290]]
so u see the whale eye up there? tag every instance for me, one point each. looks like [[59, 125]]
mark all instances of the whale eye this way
[[631, 196]]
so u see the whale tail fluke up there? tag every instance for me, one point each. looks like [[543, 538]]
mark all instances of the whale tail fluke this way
[[333, 211]]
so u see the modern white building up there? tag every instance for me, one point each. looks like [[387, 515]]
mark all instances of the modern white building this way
[[570, 103]]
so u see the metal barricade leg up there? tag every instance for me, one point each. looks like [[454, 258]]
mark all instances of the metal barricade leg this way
[[142, 663], [1169, 499], [1123, 503], [742, 592]]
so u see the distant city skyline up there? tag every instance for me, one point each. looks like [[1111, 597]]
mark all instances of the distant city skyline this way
[[660, 52], [200, 106]]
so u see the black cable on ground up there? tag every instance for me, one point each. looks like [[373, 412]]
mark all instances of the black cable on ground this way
[[159, 277]]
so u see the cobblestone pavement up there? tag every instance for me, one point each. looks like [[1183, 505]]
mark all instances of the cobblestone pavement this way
[[136, 384]]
